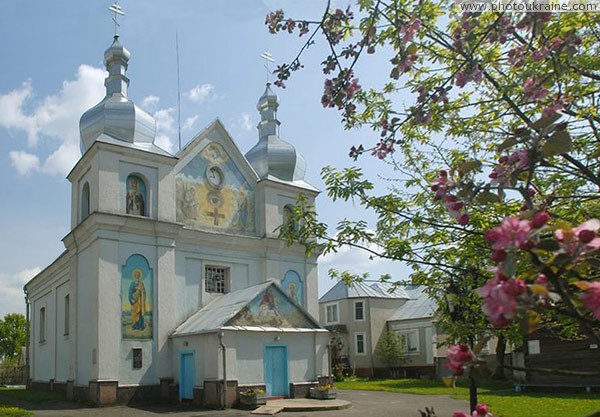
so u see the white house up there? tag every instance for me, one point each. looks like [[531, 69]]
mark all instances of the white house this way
[[173, 280]]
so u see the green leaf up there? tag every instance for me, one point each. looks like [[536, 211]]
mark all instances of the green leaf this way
[[559, 142]]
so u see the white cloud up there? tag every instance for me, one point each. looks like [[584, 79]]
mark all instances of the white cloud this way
[[53, 119], [12, 296], [150, 103], [246, 122], [165, 142], [25, 163], [189, 123], [200, 92], [164, 119]]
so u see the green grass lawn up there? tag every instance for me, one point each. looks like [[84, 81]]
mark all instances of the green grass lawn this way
[[22, 394], [7, 411], [501, 398]]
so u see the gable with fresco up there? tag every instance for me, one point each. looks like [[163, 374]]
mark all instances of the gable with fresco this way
[[272, 308], [213, 193]]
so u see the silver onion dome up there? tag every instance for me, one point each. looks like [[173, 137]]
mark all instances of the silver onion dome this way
[[116, 115], [272, 155]]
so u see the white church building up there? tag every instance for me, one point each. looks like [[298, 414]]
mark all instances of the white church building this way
[[174, 283]]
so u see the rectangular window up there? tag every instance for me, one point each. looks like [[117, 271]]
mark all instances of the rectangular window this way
[[137, 358], [215, 278], [42, 324], [332, 313], [410, 339], [66, 323], [360, 343], [359, 310]]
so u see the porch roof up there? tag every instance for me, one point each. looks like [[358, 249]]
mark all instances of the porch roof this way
[[219, 314]]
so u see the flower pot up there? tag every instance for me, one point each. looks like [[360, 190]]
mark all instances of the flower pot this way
[[253, 399], [320, 394]]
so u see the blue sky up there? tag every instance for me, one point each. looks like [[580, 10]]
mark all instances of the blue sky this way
[[52, 72]]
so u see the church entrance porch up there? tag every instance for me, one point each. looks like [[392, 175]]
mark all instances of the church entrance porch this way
[[276, 370]]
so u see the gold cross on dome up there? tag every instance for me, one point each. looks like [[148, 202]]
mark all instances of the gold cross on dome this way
[[116, 9], [268, 58]]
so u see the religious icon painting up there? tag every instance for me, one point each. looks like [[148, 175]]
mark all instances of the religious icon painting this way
[[293, 286], [272, 308], [136, 298], [213, 193], [135, 199]]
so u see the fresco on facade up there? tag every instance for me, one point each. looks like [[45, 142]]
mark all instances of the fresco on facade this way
[[135, 199], [293, 286], [272, 308], [136, 298], [212, 192]]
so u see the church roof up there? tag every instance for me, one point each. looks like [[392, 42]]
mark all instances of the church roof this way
[[272, 156], [419, 306], [262, 307], [363, 290], [116, 115]]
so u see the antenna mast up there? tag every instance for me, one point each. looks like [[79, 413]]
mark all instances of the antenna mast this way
[[178, 90]]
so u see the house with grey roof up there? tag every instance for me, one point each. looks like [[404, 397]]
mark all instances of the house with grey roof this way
[[359, 314]]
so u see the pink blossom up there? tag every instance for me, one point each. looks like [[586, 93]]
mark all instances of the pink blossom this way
[[481, 409], [382, 149], [408, 31], [539, 219], [508, 166], [500, 298], [533, 90], [458, 356], [512, 233], [590, 296], [459, 414], [581, 239]]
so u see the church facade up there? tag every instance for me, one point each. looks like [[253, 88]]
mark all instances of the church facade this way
[[173, 283]]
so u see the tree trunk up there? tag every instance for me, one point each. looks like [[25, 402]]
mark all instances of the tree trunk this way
[[500, 356]]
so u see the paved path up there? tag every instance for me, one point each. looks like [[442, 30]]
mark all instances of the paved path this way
[[364, 404]]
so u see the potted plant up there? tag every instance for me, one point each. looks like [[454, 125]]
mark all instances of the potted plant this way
[[253, 396], [323, 392]]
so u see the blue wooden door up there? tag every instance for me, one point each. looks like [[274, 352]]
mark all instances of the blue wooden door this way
[[187, 371], [276, 370]]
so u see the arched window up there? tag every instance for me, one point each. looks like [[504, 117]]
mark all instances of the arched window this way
[[136, 197], [85, 201]]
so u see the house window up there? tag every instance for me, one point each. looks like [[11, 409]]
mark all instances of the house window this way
[[359, 310], [42, 324], [135, 198], [215, 279], [360, 342], [332, 313], [137, 358], [85, 201], [66, 322], [410, 340]]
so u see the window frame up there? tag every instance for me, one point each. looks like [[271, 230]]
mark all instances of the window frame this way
[[225, 281], [137, 358], [405, 333], [43, 323], [66, 319], [364, 343], [355, 304], [337, 313]]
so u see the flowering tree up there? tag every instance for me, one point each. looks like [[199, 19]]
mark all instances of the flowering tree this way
[[491, 120]]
